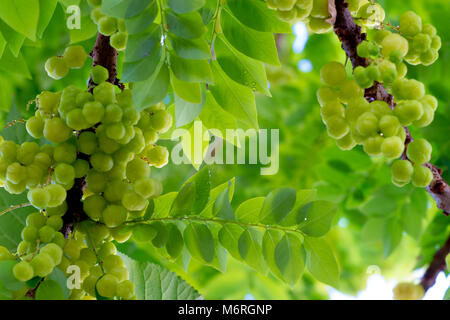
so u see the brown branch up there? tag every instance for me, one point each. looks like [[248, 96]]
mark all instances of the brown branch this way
[[349, 33], [436, 266], [105, 55]]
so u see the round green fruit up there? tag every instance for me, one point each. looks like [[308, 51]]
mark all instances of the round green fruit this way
[[75, 56], [56, 68]]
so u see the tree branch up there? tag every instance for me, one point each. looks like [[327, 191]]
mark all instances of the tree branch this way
[[436, 266], [105, 55], [349, 33]]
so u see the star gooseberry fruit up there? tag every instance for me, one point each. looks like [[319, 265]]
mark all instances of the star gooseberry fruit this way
[[75, 56], [56, 67]]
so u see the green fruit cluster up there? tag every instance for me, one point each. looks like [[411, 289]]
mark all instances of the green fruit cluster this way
[[352, 120], [386, 54], [313, 12], [111, 27], [375, 125], [41, 248], [408, 291], [100, 139], [24, 166], [103, 272], [74, 57], [381, 70], [416, 43], [424, 43]]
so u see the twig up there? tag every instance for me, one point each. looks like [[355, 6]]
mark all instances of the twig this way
[[436, 266], [13, 123], [12, 208]]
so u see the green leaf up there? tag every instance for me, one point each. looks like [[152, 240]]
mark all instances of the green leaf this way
[[392, 235], [249, 41], [187, 91], [195, 49], [47, 8], [5, 294], [153, 90], [447, 294], [123, 8], [175, 242], [143, 20], [59, 277], [250, 250], [270, 241], [15, 40], [186, 112], [239, 67], [3, 44], [318, 218], [184, 201], [321, 262], [215, 192], [297, 214], [153, 282], [66, 3], [195, 143], [163, 204], [413, 213], [248, 211], [234, 97], [261, 18], [277, 205], [371, 232], [186, 26], [150, 210], [142, 69], [191, 70], [202, 181], [18, 132], [88, 31], [200, 242], [380, 205], [229, 236], [16, 65], [162, 235], [12, 223], [142, 45], [22, 16], [183, 6], [7, 277], [49, 290], [289, 258], [214, 117], [222, 207]]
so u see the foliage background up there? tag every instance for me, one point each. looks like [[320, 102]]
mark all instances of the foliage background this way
[[361, 186]]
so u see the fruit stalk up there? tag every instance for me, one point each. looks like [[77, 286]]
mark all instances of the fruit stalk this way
[[437, 265], [349, 33]]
